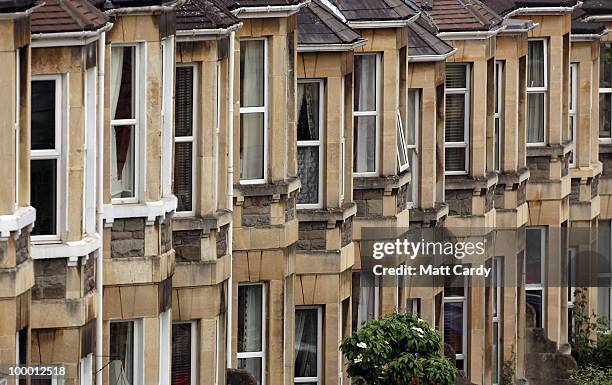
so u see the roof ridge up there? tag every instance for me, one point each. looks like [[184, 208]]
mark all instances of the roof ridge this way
[[470, 8]]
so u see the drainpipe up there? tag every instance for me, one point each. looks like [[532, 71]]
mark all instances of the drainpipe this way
[[230, 194], [99, 202]]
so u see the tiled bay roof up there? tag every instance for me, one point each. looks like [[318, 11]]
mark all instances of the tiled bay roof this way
[[597, 7], [317, 24], [203, 14], [376, 10], [423, 42], [590, 8], [67, 16], [460, 15], [7, 6]]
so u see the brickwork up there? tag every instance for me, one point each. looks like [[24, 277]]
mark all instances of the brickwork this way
[[369, 202], [187, 245], [459, 202], [311, 236], [539, 167], [127, 238], [256, 211], [346, 232], [221, 241], [49, 279], [89, 274], [22, 251]]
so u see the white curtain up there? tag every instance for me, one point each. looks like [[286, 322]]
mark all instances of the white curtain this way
[[366, 297], [536, 64], [535, 117], [116, 75], [300, 323], [366, 82], [252, 315]]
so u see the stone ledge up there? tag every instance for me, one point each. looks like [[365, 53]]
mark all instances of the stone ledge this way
[[284, 187], [336, 214], [150, 210], [466, 182], [434, 214], [552, 150], [71, 249], [201, 273], [63, 313], [382, 182], [16, 280], [139, 270], [205, 223], [514, 177], [14, 223]]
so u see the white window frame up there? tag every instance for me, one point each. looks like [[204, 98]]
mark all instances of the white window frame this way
[[56, 154], [540, 90], [262, 109], [138, 348], [464, 356], [320, 353], [137, 122], [167, 118], [342, 169], [498, 116], [194, 143], [261, 354], [497, 265], [466, 91], [364, 317], [86, 370], [573, 108], [540, 286], [414, 148], [316, 143], [165, 346], [17, 121], [375, 113], [402, 140], [605, 90], [194, 350]]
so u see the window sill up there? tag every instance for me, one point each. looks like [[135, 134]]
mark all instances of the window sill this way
[[466, 182], [14, 223], [381, 182], [552, 150], [149, 210], [71, 249], [336, 214], [205, 223], [284, 187]]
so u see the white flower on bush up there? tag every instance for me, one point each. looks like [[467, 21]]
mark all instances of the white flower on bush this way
[[362, 345], [358, 359], [418, 330]]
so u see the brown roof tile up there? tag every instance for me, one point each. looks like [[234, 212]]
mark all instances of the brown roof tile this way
[[460, 15], [67, 16]]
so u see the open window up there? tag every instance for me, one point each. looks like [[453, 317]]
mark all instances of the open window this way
[[401, 151]]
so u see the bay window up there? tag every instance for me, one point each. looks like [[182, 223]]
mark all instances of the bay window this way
[[534, 289], [455, 318], [537, 87], [308, 345], [309, 143], [457, 119], [499, 100], [184, 353], [126, 352], [573, 106], [366, 111], [184, 138], [252, 330], [496, 286], [46, 155], [605, 91], [125, 122], [253, 111], [412, 135]]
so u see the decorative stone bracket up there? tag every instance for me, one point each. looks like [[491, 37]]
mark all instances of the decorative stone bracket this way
[[148, 210]]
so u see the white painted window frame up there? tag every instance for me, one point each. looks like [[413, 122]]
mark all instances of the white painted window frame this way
[[165, 347], [167, 116], [261, 354], [193, 139], [414, 160], [573, 108], [498, 116], [541, 90], [497, 263], [317, 143], [540, 286], [319, 378], [375, 113], [138, 122], [261, 109], [466, 91], [464, 356], [605, 90], [342, 169], [58, 154], [402, 140], [193, 348], [138, 348]]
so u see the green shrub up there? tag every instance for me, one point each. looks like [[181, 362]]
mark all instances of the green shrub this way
[[398, 349], [592, 375]]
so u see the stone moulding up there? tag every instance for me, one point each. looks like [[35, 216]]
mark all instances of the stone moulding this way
[[71, 249], [14, 223], [149, 210]]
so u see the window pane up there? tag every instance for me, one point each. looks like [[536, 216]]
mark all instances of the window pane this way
[[534, 256], [605, 113], [250, 308], [43, 114], [365, 82], [252, 73], [454, 159], [252, 365], [535, 117], [308, 172], [367, 297], [306, 344], [454, 286], [308, 111], [401, 145], [121, 367], [122, 161], [453, 325], [365, 144], [123, 85], [181, 354], [534, 306], [252, 145], [605, 66], [456, 76], [183, 163], [497, 139], [183, 102], [535, 66], [44, 195], [496, 353], [414, 111], [455, 118]]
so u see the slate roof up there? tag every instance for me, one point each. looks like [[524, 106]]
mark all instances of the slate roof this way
[[7, 6], [505, 6], [582, 27], [460, 15], [234, 4], [422, 40], [67, 16], [597, 7], [203, 14], [376, 10], [317, 24]]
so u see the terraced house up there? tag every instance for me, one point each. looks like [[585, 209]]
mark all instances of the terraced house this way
[[191, 185]]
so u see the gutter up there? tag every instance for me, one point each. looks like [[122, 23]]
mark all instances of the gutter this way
[[269, 10], [542, 10], [518, 31], [13, 15], [55, 39], [470, 35], [430, 58], [360, 24], [147, 10], [598, 18], [205, 34], [230, 199], [331, 47], [588, 36]]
